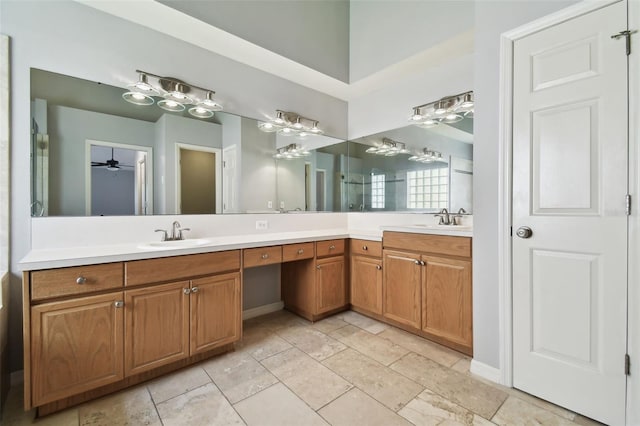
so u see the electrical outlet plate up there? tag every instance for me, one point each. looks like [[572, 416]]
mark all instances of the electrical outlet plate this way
[[282, 204], [262, 224], [269, 204]]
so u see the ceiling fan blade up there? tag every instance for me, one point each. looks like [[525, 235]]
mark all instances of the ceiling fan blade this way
[[97, 163]]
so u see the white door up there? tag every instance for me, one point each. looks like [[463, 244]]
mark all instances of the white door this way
[[570, 159], [229, 180]]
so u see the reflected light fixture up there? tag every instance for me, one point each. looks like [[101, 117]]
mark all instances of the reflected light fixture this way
[[290, 124], [428, 156], [291, 152], [448, 110], [388, 148], [176, 95]]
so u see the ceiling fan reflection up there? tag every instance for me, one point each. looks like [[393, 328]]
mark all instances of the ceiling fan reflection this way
[[112, 165]]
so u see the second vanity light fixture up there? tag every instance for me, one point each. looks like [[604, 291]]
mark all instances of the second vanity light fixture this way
[[176, 94], [291, 124], [388, 148], [291, 152], [449, 109]]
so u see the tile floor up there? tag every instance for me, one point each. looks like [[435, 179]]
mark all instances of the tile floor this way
[[345, 370]]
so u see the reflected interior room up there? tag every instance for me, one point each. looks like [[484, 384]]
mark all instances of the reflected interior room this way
[[319, 212]]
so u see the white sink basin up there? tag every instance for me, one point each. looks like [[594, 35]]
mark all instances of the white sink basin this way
[[442, 227], [178, 244]]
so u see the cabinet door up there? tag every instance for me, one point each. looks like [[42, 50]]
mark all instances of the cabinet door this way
[[76, 345], [330, 284], [157, 324], [216, 311], [446, 292], [401, 291], [366, 283]]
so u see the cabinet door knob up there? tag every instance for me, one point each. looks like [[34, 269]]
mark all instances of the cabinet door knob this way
[[332, 247], [417, 262], [318, 267], [365, 248], [194, 289], [300, 251], [265, 256], [186, 290], [119, 304], [422, 263], [81, 280], [378, 267]]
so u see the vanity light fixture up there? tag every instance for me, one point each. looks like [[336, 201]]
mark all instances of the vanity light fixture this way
[[176, 95], [291, 152], [388, 148], [449, 109], [428, 156], [291, 124]]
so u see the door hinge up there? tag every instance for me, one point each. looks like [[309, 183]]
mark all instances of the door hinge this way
[[627, 365], [627, 35], [627, 204], [224, 164]]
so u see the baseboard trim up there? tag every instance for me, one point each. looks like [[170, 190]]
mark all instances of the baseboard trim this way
[[262, 310], [486, 371], [16, 378]]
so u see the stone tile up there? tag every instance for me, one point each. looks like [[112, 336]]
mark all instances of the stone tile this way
[[277, 406], [518, 412], [314, 383], [462, 366], [262, 345], [424, 347], [13, 413], [200, 406], [357, 408], [460, 388], [541, 403], [177, 383], [129, 407], [586, 421], [238, 375], [312, 342], [376, 348], [388, 387], [431, 409], [365, 323], [329, 324], [276, 321]]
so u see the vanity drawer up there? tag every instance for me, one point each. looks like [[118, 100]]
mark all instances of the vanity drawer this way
[[329, 248], [428, 243], [180, 267], [366, 248], [75, 280], [260, 256], [291, 252]]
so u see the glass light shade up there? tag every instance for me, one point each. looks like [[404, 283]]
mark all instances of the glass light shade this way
[[138, 98], [287, 131], [209, 103], [297, 124], [200, 112], [467, 101], [143, 86], [171, 105], [429, 123], [178, 96], [315, 130], [452, 118], [267, 127], [468, 114]]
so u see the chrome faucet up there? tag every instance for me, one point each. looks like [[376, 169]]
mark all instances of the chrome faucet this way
[[176, 232], [445, 219]]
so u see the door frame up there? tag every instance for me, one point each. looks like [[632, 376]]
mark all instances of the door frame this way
[[87, 170], [505, 148], [218, 172]]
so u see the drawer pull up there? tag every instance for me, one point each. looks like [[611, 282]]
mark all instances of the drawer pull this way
[[81, 280], [417, 262], [265, 256], [365, 248], [194, 289], [300, 251], [318, 267], [119, 304], [332, 247], [378, 267], [186, 290]]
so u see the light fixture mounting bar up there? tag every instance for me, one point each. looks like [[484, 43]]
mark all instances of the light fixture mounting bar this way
[[442, 99], [174, 80]]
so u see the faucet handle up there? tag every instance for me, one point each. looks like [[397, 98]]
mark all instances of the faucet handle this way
[[440, 220], [164, 235], [180, 236], [462, 211]]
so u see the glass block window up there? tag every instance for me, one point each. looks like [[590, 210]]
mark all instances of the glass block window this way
[[428, 189], [377, 191]]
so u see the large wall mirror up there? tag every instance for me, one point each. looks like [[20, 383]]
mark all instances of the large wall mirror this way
[[413, 169], [94, 154]]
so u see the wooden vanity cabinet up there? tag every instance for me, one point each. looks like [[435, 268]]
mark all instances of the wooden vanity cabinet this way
[[316, 287], [366, 276], [427, 286]]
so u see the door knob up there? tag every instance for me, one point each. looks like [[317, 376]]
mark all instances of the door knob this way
[[524, 232], [119, 304], [194, 289], [81, 280]]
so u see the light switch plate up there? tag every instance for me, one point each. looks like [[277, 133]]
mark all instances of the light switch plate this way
[[262, 224]]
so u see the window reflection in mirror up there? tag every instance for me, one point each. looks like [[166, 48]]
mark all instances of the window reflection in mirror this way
[[393, 180]]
